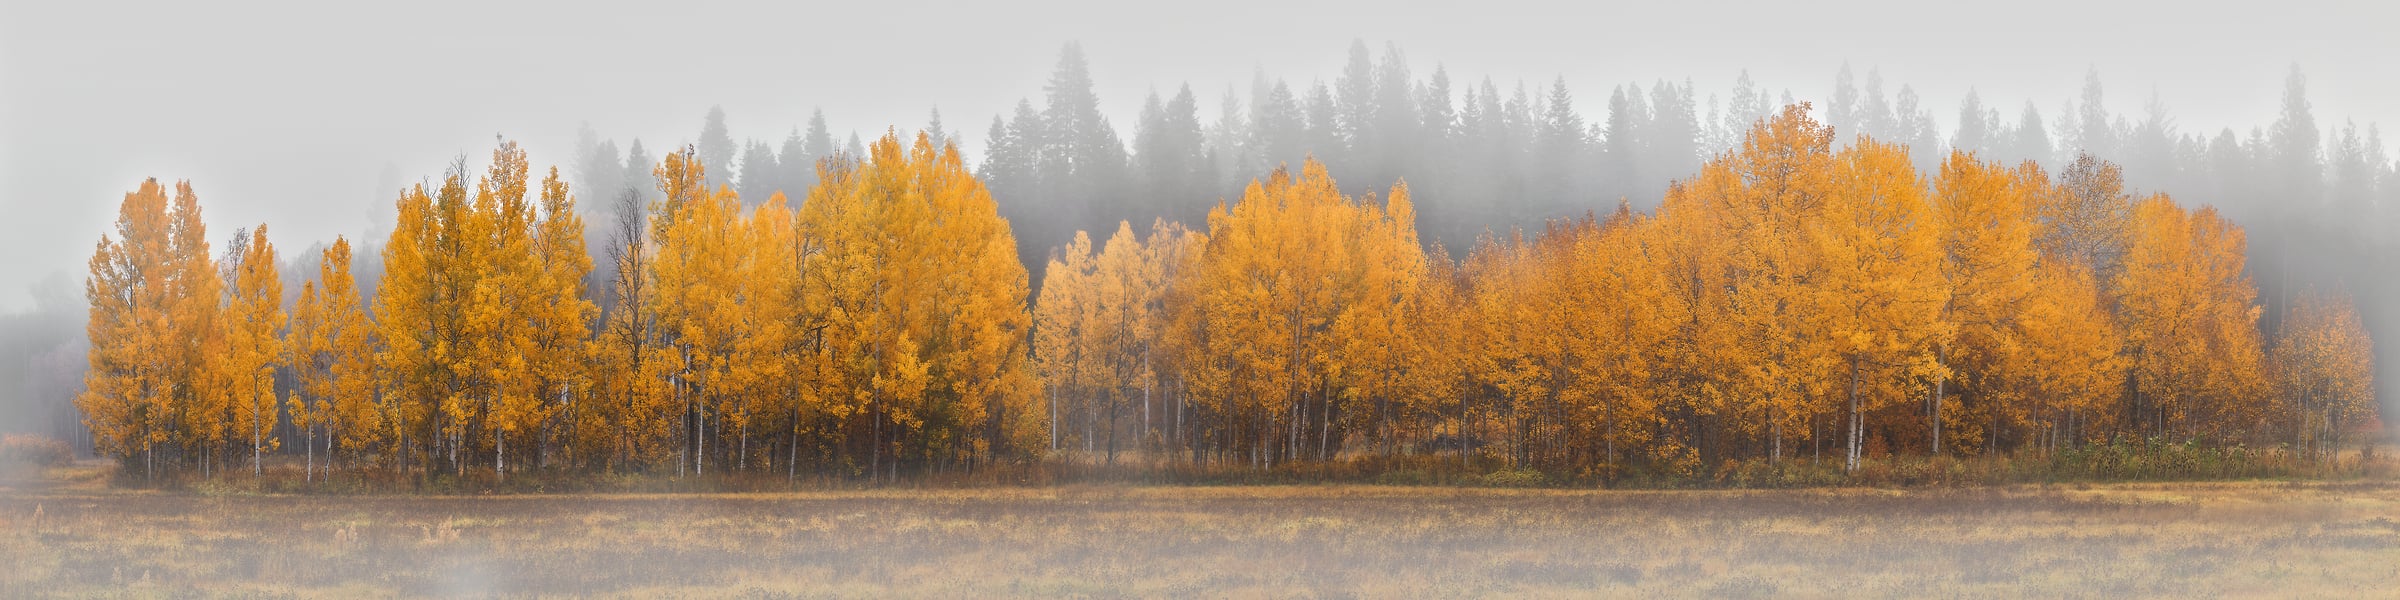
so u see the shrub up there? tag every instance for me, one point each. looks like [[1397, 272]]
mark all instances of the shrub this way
[[1515, 478]]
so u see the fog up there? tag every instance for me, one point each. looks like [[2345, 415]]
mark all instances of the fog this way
[[309, 117]]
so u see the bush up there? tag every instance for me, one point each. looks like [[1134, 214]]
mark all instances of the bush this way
[[1514, 478]]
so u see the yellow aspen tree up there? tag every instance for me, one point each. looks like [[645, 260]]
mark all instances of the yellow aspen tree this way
[[417, 319], [1431, 391], [1621, 332], [130, 386], [2191, 324], [1745, 262], [342, 342], [782, 367], [901, 223], [1787, 175], [2324, 371], [1280, 270], [628, 423], [696, 272], [306, 358], [907, 224], [2067, 367], [1125, 282], [1060, 347], [1177, 252], [2235, 385], [1376, 345], [253, 329], [1255, 323], [1560, 306], [836, 283], [462, 230], [199, 403], [1878, 288], [1988, 258], [2164, 303], [1705, 366], [559, 322], [1508, 299], [502, 270], [984, 384]]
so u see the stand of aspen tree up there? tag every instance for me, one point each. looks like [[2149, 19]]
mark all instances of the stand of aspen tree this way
[[1797, 293]]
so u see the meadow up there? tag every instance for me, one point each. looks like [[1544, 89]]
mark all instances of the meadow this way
[[73, 535]]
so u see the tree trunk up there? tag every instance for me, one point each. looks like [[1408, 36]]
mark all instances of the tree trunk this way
[[1940, 388], [1325, 426], [1851, 464], [255, 446], [792, 463], [1776, 457]]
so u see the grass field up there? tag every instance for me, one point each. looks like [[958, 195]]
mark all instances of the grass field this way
[[70, 535]]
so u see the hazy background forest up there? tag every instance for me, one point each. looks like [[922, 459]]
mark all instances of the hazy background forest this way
[[2280, 132]]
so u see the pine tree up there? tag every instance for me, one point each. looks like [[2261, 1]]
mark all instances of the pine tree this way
[[716, 148], [761, 175]]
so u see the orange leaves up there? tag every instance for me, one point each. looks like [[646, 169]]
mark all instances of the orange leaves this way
[[135, 326], [2324, 367], [254, 321], [2190, 322], [1880, 281], [1791, 290], [332, 348], [1292, 276], [923, 302]]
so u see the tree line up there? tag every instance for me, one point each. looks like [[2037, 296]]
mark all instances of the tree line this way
[[1793, 294], [2317, 196], [879, 323]]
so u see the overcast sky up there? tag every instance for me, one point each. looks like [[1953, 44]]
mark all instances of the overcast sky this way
[[292, 113]]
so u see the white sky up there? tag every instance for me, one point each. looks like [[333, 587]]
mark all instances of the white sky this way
[[289, 112]]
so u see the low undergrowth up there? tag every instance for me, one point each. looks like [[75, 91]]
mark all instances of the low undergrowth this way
[[2124, 461]]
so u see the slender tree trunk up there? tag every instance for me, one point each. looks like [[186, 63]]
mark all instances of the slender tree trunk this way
[[1612, 444], [1774, 424], [792, 464], [1144, 438], [1940, 389], [256, 445], [1852, 462], [1325, 426]]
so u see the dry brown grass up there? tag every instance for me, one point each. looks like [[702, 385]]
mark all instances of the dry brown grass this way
[[2182, 539]]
